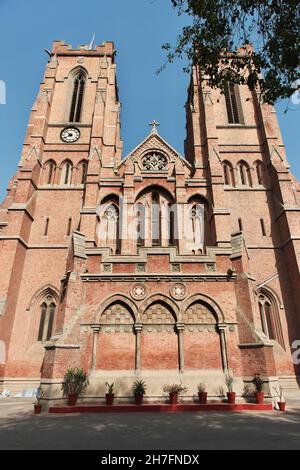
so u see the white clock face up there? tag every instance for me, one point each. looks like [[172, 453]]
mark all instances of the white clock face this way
[[70, 134]]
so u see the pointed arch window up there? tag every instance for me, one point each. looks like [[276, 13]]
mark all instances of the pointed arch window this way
[[245, 174], [259, 172], [47, 313], [141, 224], [110, 228], [173, 225], [270, 317], [77, 97], [50, 168], [197, 222], [66, 174], [156, 219], [233, 105], [229, 178], [82, 167]]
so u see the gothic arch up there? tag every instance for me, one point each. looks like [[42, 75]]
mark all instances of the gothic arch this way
[[229, 176], [48, 295], [268, 303], [206, 300], [128, 303], [66, 172], [78, 69], [245, 176], [152, 188], [156, 217], [81, 170], [49, 172], [43, 292], [110, 197], [271, 292], [77, 87], [260, 172], [110, 225], [161, 299], [200, 224]]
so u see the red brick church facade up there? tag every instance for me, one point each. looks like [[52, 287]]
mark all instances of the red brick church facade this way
[[156, 265]]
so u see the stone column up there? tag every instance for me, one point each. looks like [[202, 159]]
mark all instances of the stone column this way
[[222, 331], [138, 329], [180, 329], [96, 330]]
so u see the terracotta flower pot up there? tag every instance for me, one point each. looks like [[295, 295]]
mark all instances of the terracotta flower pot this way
[[72, 400], [174, 398], [202, 398], [37, 409], [231, 397], [282, 406], [259, 397], [138, 397], [110, 399]]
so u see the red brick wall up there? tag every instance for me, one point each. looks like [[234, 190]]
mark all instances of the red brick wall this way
[[116, 351], [159, 350], [202, 350]]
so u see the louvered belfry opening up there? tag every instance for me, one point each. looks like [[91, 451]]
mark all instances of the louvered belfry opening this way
[[77, 98], [232, 104]]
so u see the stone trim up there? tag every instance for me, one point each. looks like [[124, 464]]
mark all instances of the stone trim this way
[[206, 277], [210, 257], [51, 346], [255, 345]]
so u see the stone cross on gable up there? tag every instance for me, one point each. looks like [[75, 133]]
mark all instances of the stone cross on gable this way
[[154, 124]]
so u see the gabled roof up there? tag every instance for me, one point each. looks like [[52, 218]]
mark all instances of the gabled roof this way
[[154, 142]]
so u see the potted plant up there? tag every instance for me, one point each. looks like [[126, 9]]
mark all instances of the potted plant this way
[[281, 403], [74, 384], [259, 387], [110, 394], [231, 395], [202, 394], [174, 391], [139, 390], [39, 395]]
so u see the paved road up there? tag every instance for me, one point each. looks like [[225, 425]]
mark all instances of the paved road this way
[[20, 429]]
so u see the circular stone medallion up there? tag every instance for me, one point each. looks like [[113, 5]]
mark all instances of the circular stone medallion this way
[[138, 292], [178, 291]]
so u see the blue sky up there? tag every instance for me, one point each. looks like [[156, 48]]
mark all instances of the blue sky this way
[[138, 28]]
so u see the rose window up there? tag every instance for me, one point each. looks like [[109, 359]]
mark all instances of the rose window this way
[[154, 161]]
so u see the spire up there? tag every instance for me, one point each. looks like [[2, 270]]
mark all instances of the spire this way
[[154, 124]]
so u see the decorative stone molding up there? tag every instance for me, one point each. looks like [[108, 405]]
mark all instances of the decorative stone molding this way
[[154, 161], [115, 316], [199, 314], [175, 258], [107, 268], [138, 292], [210, 267], [178, 291], [159, 329], [163, 299], [158, 314], [141, 268], [87, 277], [209, 303], [175, 267]]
